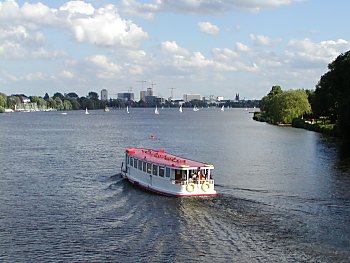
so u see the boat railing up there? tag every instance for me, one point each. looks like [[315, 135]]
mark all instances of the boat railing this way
[[185, 182]]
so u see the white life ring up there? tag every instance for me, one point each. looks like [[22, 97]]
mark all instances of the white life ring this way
[[190, 187], [205, 186]]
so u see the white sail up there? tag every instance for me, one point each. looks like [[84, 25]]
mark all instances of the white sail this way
[[195, 108], [180, 109], [223, 108], [86, 111], [127, 109], [156, 111]]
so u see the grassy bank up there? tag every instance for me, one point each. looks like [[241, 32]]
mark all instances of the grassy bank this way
[[320, 126]]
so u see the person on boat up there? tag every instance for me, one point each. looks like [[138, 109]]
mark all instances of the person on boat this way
[[194, 178]]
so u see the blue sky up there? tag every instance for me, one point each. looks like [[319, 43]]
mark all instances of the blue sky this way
[[206, 47]]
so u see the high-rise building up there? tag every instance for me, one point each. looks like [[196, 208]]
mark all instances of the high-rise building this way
[[189, 97], [149, 92], [142, 95], [126, 96], [104, 94]]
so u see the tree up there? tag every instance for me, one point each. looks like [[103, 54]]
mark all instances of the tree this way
[[12, 101], [332, 95], [266, 100], [58, 95], [93, 95], [72, 95], [288, 105], [58, 103], [46, 97], [41, 103], [3, 100], [51, 103], [67, 105]]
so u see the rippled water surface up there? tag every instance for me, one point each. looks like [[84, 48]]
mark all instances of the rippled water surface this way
[[284, 192]]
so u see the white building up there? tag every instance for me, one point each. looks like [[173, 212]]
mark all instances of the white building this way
[[189, 97], [104, 94]]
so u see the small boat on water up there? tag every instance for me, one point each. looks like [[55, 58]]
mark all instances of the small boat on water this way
[[167, 174], [195, 108], [106, 109], [223, 108], [127, 109], [156, 111], [180, 109], [86, 111]]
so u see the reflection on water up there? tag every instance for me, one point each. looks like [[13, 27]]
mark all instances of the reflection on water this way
[[284, 192]]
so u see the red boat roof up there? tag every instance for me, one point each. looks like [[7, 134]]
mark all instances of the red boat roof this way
[[162, 158]]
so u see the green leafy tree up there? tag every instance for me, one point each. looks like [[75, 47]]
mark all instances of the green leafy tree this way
[[58, 95], [288, 105], [72, 95], [12, 101], [3, 100], [46, 97], [67, 105], [332, 95], [41, 103], [51, 103], [93, 95], [34, 99], [266, 101], [59, 103]]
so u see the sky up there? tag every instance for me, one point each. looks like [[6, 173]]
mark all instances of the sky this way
[[206, 47]]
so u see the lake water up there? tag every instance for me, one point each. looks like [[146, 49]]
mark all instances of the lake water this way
[[284, 192]]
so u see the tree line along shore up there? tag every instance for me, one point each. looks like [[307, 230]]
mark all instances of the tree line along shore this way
[[325, 109], [71, 101]]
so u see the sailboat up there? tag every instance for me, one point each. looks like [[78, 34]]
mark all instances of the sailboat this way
[[86, 111], [127, 109], [180, 109], [223, 108], [156, 111], [195, 108]]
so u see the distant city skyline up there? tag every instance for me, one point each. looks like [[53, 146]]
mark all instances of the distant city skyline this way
[[176, 47]]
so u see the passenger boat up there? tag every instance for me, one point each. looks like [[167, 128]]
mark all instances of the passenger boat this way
[[167, 174]]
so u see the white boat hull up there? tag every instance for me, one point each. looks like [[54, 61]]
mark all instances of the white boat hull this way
[[167, 186]]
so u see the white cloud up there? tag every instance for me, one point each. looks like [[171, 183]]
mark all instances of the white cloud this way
[[65, 74], [208, 28], [79, 7], [173, 48], [307, 51], [101, 26], [241, 47], [148, 10], [34, 76], [106, 28], [260, 40], [144, 10], [105, 68]]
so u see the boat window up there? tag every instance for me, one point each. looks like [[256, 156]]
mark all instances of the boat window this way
[[140, 165], [132, 161], [178, 175], [135, 162], [149, 169], [155, 169], [144, 165], [167, 172], [172, 174], [161, 171]]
